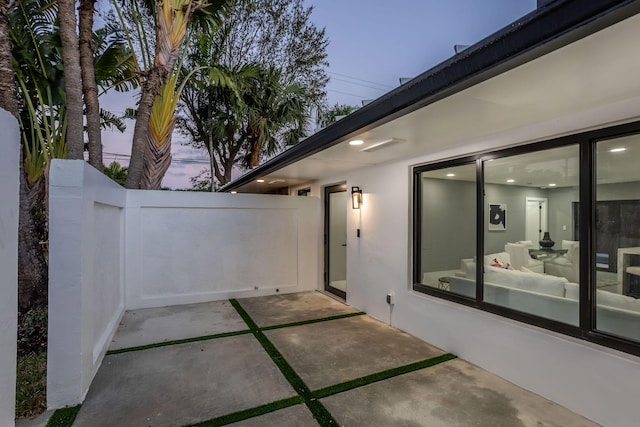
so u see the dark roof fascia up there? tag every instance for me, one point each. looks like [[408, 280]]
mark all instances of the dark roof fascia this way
[[544, 30]]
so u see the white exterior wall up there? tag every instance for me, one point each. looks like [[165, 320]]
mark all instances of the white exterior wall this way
[[192, 247], [86, 271], [113, 249], [9, 204], [595, 381]]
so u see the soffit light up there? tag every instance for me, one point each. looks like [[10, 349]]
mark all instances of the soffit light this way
[[451, 174], [617, 150], [552, 185], [356, 142], [511, 180], [260, 180], [356, 197], [381, 144]]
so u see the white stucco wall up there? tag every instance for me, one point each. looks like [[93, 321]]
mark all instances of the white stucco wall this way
[[193, 247], [86, 276], [9, 164], [113, 249], [592, 380]]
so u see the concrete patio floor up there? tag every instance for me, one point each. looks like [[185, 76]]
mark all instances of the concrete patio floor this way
[[294, 360]]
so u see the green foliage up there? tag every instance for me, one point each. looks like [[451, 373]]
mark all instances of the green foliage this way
[[277, 59], [31, 383], [64, 417], [32, 330], [116, 172], [326, 116]]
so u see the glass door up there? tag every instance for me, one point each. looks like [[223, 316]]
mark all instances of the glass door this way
[[335, 240]]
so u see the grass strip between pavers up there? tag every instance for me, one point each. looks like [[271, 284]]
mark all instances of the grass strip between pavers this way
[[380, 376], [320, 413], [174, 342], [64, 417], [308, 322], [250, 413]]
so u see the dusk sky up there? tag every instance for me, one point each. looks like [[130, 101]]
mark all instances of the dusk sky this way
[[372, 45]]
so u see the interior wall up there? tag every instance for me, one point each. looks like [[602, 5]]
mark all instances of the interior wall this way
[[515, 197], [594, 381], [447, 245], [9, 181]]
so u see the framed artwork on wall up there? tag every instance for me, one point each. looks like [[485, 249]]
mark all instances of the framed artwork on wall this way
[[497, 217]]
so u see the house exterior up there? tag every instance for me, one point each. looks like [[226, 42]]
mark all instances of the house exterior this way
[[462, 170]]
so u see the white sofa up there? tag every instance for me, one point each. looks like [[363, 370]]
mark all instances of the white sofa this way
[[520, 258], [567, 265], [552, 297]]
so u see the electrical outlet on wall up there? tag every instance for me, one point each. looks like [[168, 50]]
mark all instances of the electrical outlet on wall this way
[[391, 298]]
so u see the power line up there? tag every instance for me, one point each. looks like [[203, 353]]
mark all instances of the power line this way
[[359, 79], [350, 94], [360, 84]]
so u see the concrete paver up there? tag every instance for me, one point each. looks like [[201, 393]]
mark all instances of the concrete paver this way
[[187, 383], [290, 308], [454, 393], [182, 384], [336, 351], [294, 416], [156, 325]]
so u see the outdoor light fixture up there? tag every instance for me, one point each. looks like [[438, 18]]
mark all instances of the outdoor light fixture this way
[[356, 197], [356, 142]]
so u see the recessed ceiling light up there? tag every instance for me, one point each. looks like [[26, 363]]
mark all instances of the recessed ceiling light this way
[[356, 142], [451, 174], [511, 180], [552, 185], [234, 192], [617, 150], [259, 180]]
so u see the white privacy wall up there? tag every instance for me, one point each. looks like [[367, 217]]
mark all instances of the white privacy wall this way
[[9, 181], [86, 276], [595, 381], [113, 249], [194, 247]]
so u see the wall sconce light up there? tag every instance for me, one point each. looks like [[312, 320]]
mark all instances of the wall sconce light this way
[[356, 197]]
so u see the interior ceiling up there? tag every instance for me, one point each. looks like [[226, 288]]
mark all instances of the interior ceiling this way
[[593, 80]]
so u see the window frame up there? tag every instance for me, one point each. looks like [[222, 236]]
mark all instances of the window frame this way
[[587, 143]]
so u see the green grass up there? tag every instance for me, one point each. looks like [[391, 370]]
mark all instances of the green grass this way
[[183, 341], [308, 322], [31, 385], [64, 417], [380, 376], [320, 413], [250, 413]]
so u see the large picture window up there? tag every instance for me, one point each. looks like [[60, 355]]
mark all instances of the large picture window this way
[[521, 270], [448, 225], [547, 233], [617, 235]]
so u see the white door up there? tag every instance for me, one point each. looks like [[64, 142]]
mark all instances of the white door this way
[[535, 219]]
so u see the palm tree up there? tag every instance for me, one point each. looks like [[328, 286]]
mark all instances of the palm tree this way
[[89, 86], [173, 19], [72, 78], [327, 116], [277, 114], [8, 95], [32, 270]]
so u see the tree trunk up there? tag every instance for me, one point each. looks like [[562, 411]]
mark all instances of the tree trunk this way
[[150, 88], [8, 96], [72, 78], [89, 86]]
